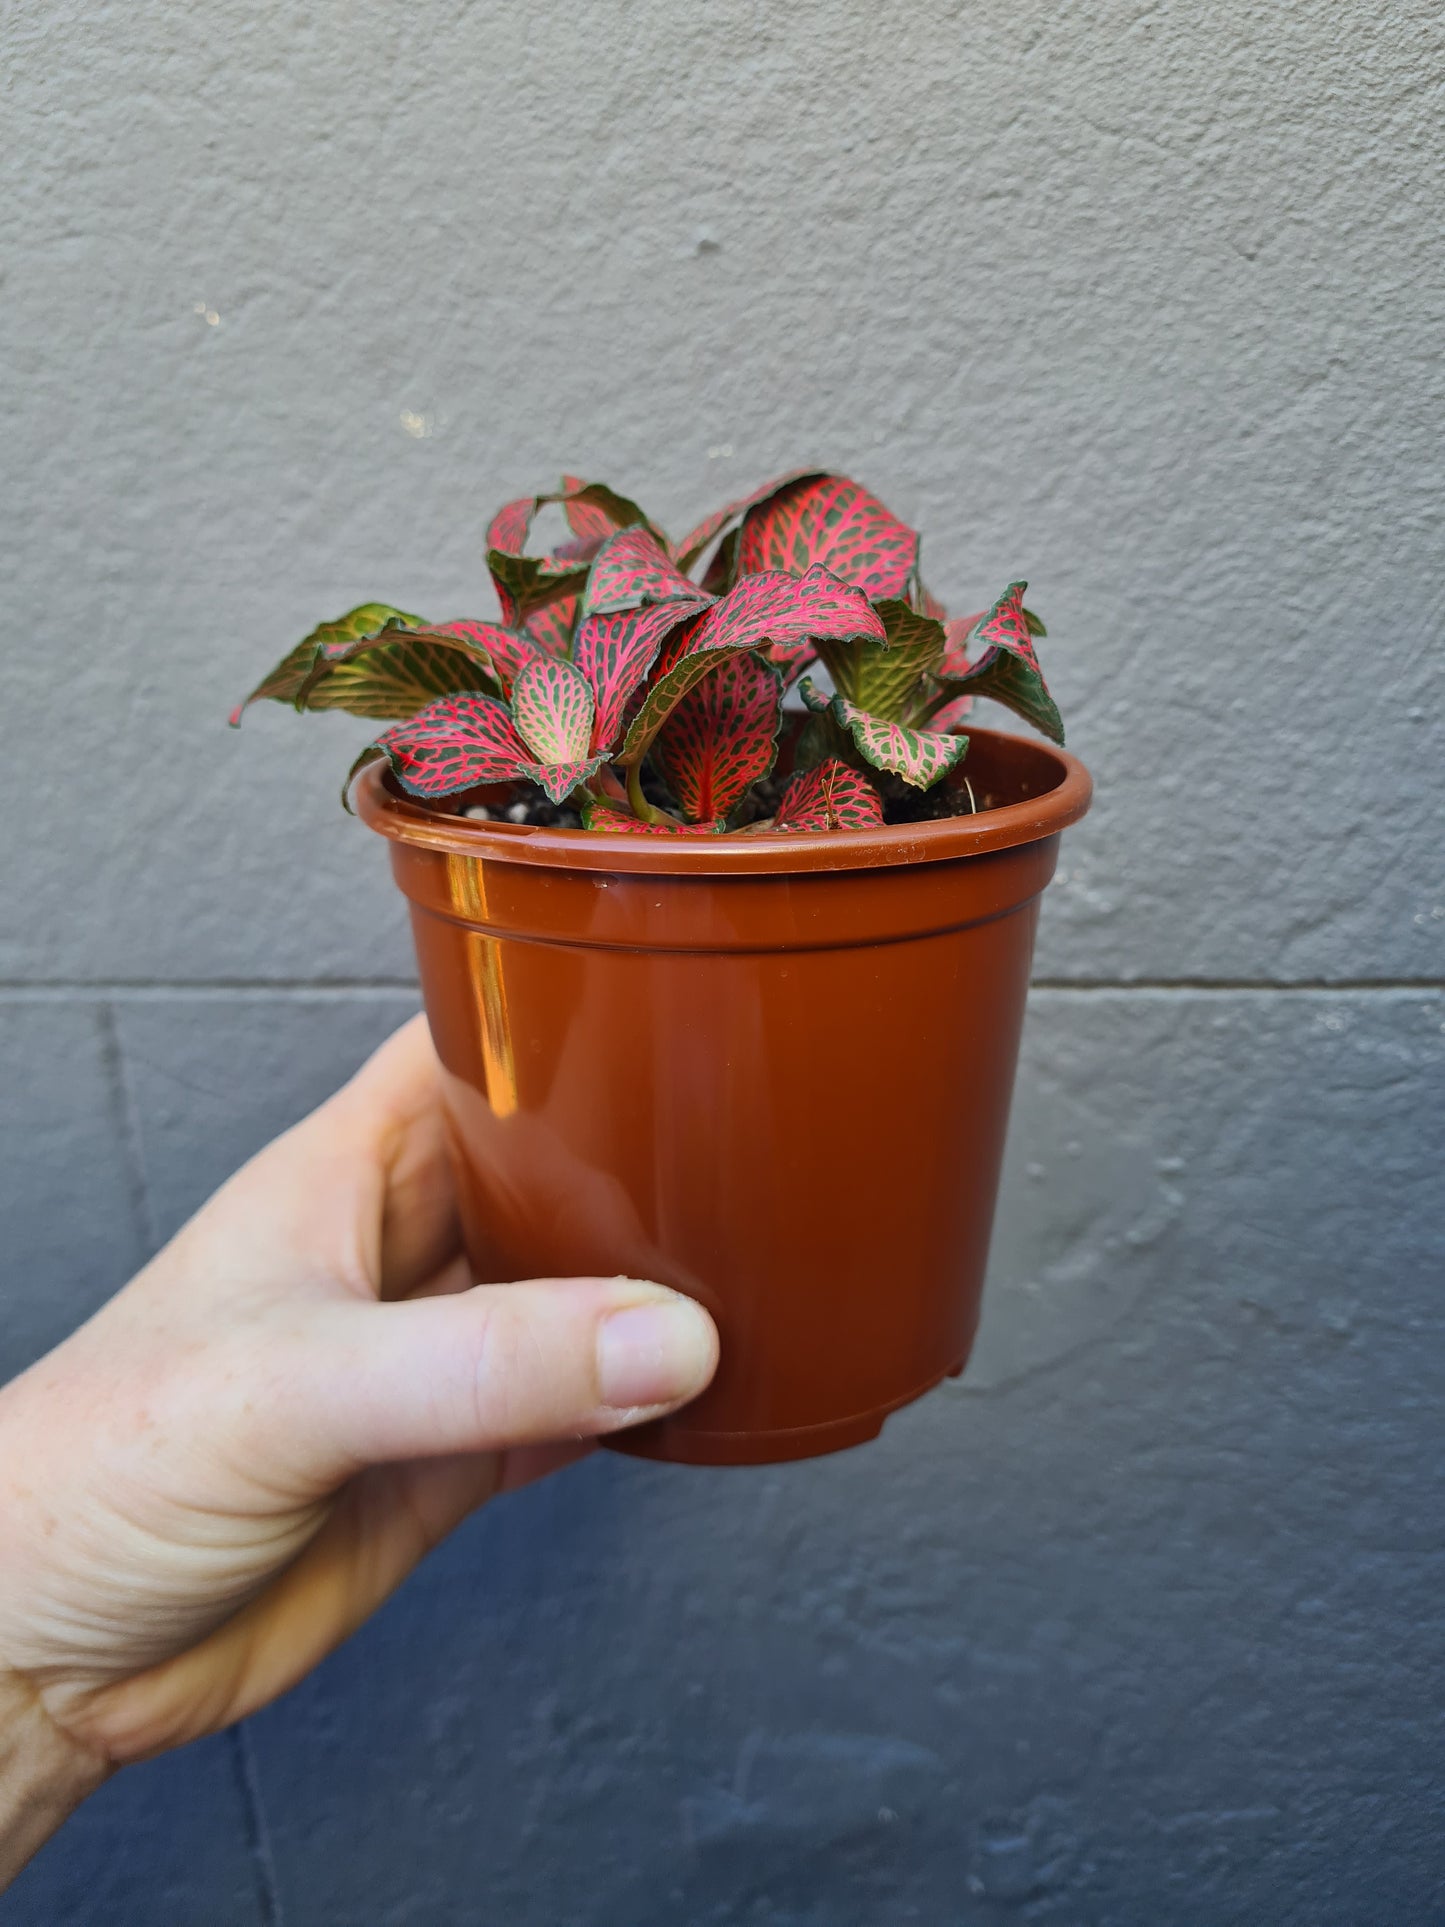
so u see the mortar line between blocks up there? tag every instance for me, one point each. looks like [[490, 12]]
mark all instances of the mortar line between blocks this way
[[1241, 986], [258, 1838], [159, 990], [126, 1120], [389, 990]]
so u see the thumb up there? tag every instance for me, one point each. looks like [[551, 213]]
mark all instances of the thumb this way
[[496, 1366], [367, 1384]]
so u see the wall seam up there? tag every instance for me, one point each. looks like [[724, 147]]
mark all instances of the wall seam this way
[[258, 1836], [387, 990], [125, 1119]]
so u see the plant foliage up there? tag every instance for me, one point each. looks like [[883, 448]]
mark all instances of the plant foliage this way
[[644, 680]]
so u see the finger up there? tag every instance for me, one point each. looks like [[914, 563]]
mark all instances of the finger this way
[[395, 1102], [479, 1370]]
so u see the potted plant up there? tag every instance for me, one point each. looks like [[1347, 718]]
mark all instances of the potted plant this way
[[726, 968]]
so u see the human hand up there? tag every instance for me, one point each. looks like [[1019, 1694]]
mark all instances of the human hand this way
[[213, 1482]]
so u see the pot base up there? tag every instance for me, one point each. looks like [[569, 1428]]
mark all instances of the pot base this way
[[671, 1439]]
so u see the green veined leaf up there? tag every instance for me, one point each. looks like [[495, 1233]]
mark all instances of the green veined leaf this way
[[290, 675], [888, 678], [502, 652], [395, 677]]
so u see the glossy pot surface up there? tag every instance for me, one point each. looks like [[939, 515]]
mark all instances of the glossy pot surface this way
[[771, 1071]]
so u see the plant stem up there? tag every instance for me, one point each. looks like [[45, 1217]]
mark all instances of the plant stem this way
[[644, 811]]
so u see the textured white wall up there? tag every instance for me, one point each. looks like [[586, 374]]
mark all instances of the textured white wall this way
[[1143, 301]]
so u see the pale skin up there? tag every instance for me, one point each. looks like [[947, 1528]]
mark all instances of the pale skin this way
[[206, 1488]]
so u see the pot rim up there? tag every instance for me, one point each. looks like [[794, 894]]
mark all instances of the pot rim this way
[[381, 804]]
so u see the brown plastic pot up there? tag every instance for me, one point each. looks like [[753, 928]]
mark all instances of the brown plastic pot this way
[[772, 1071]]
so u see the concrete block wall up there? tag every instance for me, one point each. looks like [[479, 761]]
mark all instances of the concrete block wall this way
[[1139, 1623]]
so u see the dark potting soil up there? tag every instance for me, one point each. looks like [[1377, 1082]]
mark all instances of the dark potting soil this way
[[904, 804], [531, 807], [901, 804]]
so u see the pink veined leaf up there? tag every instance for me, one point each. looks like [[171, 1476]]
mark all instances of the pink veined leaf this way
[[721, 737], [453, 744], [829, 797], [929, 605], [615, 653], [692, 545], [956, 633], [551, 623], [508, 528], [761, 609], [618, 822], [601, 507], [558, 780], [722, 571], [831, 520], [522, 580], [509, 603], [632, 568], [1005, 626], [790, 662], [610, 788], [552, 708], [460, 741], [663, 698], [781, 611], [506, 650], [1005, 667], [951, 716], [587, 522]]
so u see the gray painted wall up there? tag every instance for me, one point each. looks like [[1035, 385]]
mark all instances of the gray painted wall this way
[[1140, 1623]]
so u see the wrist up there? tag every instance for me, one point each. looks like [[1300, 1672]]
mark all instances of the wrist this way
[[44, 1774]]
